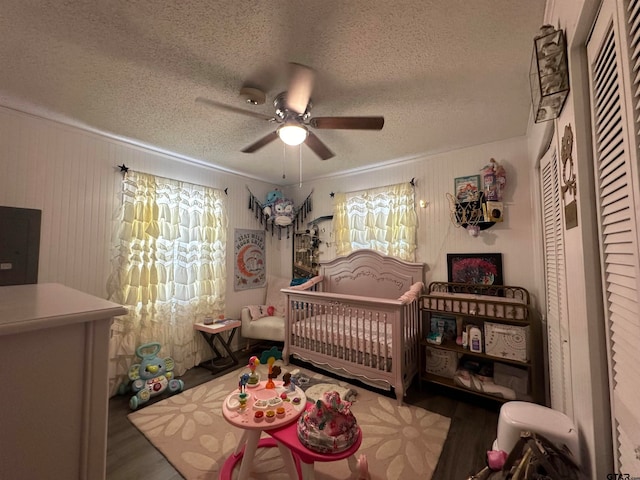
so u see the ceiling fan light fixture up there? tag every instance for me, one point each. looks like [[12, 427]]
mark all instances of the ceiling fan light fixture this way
[[292, 133]]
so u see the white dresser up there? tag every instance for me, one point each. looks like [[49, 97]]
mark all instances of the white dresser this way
[[54, 348]]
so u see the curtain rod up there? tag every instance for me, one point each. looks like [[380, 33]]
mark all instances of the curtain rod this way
[[124, 169], [412, 182]]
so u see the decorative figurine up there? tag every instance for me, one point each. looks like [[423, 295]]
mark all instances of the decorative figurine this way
[[242, 398], [273, 373], [253, 364], [292, 384], [242, 385]]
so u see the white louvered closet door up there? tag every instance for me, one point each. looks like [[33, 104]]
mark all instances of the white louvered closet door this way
[[613, 70], [558, 346]]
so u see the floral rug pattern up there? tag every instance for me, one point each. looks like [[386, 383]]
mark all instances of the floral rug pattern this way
[[189, 430]]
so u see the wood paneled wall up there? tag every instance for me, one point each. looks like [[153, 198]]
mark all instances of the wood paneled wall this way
[[72, 176], [437, 236]]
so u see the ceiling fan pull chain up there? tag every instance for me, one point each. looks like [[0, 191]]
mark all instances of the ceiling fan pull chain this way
[[300, 156], [284, 155]]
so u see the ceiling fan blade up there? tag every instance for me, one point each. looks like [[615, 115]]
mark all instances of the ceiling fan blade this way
[[319, 148], [300, 87], [231, 108], [260, 143], [348, 123]]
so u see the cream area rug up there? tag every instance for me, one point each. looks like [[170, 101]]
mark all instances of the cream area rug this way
[[189, 430]]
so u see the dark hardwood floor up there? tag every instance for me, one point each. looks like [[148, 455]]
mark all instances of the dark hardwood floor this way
[[474, 422]]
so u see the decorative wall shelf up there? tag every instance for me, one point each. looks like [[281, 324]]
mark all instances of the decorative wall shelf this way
[[469, 215]]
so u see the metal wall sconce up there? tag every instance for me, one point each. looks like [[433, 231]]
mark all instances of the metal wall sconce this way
[[549, 74]]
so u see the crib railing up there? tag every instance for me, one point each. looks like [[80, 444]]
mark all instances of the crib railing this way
[[355, 334], [378, 338]]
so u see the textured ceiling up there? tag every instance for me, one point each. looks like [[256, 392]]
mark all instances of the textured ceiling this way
[[445, 74]]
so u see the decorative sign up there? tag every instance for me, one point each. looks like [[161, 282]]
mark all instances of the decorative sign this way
[[569, 184], [571, 215], [249, 256]]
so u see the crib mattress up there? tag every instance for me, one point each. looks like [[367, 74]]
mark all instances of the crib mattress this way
[[356, 339]]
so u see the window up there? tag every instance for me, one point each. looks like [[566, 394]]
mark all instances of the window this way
[[169, 268], [382, 219]]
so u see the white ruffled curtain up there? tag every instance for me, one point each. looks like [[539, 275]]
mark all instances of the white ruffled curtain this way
[[169, 270], [382, 219]]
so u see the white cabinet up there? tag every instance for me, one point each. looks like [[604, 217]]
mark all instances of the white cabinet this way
[[53, 370]]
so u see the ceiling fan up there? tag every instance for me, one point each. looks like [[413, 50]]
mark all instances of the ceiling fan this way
[[293, 114]]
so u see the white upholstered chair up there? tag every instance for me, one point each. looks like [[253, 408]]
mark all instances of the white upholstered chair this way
[[257, 324]]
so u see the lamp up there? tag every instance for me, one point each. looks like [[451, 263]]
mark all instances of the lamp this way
[[292, 133], [549, 74]]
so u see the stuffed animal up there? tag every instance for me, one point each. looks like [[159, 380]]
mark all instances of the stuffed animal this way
[[152, 376], [278, 209], [272, 196], [283, 213]]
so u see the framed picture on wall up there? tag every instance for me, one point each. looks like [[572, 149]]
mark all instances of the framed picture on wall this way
[[467, 188], [475, 268]]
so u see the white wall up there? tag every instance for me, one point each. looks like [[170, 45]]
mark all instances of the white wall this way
[[437, 236], [72, 176]]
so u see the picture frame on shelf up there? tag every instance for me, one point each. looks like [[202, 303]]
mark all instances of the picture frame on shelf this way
[[467, 189], [475, 268]]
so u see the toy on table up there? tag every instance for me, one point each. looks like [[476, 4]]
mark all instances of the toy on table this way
[[274, 371], [242, 384], [286, 379], [272, 352], [329, 426], [254, 378], [152, 376], [293, 384], [242, 399]]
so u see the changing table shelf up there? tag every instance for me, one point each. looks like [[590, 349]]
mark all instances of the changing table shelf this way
[[510, 344]]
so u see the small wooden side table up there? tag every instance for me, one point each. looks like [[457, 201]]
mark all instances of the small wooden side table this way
[[210, 334]]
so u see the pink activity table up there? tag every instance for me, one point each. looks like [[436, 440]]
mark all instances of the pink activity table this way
[[262, 400]]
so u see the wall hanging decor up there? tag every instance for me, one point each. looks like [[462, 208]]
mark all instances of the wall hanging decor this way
[[569, 184], [477, 202], [278, 212], [249, 259], [549, 74], [468, 215], [475, 268]]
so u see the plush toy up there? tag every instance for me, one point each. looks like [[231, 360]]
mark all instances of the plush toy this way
[[267, 207], [283, 213], [152, 376], [278, 209], [273, 196]]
